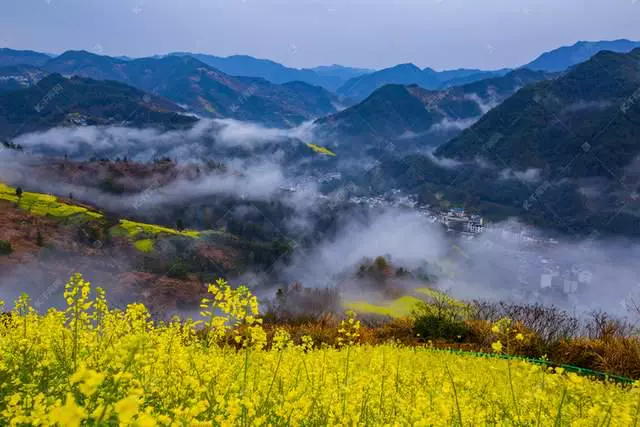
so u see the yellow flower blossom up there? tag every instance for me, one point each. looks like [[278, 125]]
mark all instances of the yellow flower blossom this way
[[94, 365], [70, 414], [127, 408]]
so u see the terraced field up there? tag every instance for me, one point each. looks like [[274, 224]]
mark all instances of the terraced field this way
[[321, 150], [46, 205], [142, 235]]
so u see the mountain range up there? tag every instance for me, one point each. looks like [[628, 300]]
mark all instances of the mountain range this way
[[402, 118], [336, 77], [567, 56], [328, 77], [557, 148], [246, 88], [556, 60], [561, 152], [9, 57], [409, 74], [202, 89], [57, 101]]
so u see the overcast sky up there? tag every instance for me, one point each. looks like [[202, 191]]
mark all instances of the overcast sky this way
[[302, 33]]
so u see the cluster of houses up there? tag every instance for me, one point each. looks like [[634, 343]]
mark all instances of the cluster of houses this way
[[457, 220]]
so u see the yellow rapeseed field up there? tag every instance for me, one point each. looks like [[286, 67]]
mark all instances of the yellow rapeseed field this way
[[91, 365]]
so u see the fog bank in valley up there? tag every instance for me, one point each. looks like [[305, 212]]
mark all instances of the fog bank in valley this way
[[507, 262]]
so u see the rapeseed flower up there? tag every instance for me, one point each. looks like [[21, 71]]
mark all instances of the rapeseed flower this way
[[92, 365]]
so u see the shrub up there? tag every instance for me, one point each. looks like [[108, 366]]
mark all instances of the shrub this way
[[616, 355], [603, 326], [442, 317], [431, 327], [551, 324], [178, 270], [91, 233], [5, 247], [397, 330]]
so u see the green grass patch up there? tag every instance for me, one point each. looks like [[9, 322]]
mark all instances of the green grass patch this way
[[321, 150]]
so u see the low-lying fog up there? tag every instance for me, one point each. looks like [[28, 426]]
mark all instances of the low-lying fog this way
[[507, 262]]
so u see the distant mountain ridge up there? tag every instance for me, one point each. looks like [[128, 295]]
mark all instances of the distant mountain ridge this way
[[565, 57], [336, 75], [330, 77], [243, 88], [10, 57], [205, 90], [409, 74]]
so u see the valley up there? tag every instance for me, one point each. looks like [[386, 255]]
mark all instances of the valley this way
[[319, 213], [265, 194]]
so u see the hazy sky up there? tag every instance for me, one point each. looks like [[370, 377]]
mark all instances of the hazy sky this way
[[368, 33]]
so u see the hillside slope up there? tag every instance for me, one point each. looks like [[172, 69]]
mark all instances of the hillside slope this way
[[19, 77], [561, 153], [57, 101], [546, 125], [51, 237], [405, 118], [11, 57]]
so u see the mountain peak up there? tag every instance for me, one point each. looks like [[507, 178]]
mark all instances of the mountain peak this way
[[22, 57], [80, 54], [408, 66]]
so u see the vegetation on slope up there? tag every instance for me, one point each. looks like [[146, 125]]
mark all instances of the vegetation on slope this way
[[142, 253], [141, 234], [145, 245], [558, 154], [133, 229], [58, 101], [597, 342], [45, 204]]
